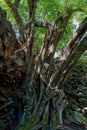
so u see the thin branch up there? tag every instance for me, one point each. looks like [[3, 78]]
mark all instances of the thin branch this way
[[6, 105], [43, 24], [17, 17]]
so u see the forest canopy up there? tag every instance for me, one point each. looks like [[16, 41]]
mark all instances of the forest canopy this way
[[48, 11]]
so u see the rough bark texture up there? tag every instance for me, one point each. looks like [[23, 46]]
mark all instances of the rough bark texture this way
[[12, 70], [43, 86]]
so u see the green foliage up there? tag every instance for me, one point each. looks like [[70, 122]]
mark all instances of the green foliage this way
[[23, 10], [9, 14], [48, 11], [39, 39]]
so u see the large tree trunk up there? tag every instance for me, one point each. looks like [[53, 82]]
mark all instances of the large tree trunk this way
[[11, 75], [47, 108], [43, 98]]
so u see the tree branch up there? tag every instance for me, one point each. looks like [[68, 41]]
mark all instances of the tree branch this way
[[71, 55], [72, 60], [16, 3], [58, 79], [73, 51], [57, 34], [74, 40], [17, 17], [43, 24], [30, 42], [59, 31], [53, 36]]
